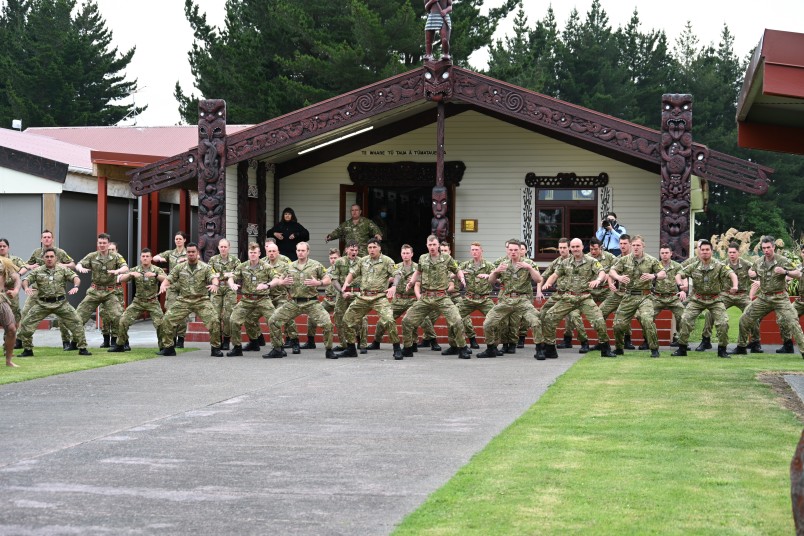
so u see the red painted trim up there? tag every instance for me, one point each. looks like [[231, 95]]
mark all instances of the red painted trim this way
[[102, 205], [770, 137], [184, 210], [145, 221], [153, 238], [783, 81]]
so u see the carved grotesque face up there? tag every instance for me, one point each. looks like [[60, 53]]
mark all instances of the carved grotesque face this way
[[677, 114], [437, 81], [439, 202], [211, 118], [676, 216]]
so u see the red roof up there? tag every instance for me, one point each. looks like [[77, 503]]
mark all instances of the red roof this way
[[76, 157]]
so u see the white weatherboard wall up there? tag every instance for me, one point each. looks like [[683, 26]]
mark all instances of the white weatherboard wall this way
[[17, 182], [231, 209], [497, 157]]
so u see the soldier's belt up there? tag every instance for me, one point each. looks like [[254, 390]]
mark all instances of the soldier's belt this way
[[473, 296], [665, 294], [254, 296], [52, 300], [372, 293], [352, 288], [639, 292], [516, 295], [434, 293], [584, 293], [707, 296], [405, 296], [98, 287], [304, 299], [152, 298], [774, 293]]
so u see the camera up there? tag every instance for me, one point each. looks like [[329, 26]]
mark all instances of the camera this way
[[606, 224]]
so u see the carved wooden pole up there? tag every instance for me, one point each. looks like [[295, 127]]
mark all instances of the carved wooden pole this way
[[211, 176], [676, 171], [438, 88]]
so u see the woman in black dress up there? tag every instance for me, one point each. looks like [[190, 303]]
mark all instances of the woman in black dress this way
[[288, 232]]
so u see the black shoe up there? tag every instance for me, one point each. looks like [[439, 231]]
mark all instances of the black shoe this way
[[644, 346], [252, 346], [309, 345], [706, 344], [18, 345], [261, 340], [275, 353], [236, 350], [407, 352], [452, 350], [363, 351], [787, 347], [654, 353], [116, 349], [226, 343], [427, 342], [721, 352], [375, 345], [288, 343], [473, 343], [490, 351], [628, 345], [414, 348], [566, 344], [681, 351], [674, 342], [584, 347], [755, 347], [339, 348], [294, 344], [84, 351], [349, 351], [105, 343], [27, 352], [179, 342], [550, 351], [397, 351], [605, 350], [520, 343], [619, 351], [161, 351], [540, 352], [71, 347], [464, 353], [284, 353], [739, 350], [509, 348], [499, 351], [434, 346], [329, 353], [65, 345], [215, 352]]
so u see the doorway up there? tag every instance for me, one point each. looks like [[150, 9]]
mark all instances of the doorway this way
[[404, 216]]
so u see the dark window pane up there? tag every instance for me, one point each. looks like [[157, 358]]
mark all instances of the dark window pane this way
[[549, 228]]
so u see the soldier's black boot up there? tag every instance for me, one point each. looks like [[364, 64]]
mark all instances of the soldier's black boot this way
[[236, 350], [71, 346], [288, 343], [397, 351], [787, 347], [490, 351], [628, 344], [654, 353], [215, 351], [407, 352], [584, 347], [252, 346], [18, 345], [106, 343], [179, 342], [473, 343], [434, 345], [275, 353], [464, 353], [329, 353], [539, 352], [126, 347], [674, 342], [605, 351], [310, 344], [27, 352], [550, 351], [414, 348], [521, 342], [509, 348], [721, 352], [566, 344], [294, 344], [261, 340], [738, 350], [84, 351], [374, 345], [644, 345], [116, 348], [349, 351], [681, 351], [756, 347], [226, 343], [452, 350], [706, 344]]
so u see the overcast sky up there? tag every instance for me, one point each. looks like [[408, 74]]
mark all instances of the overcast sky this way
[[162, 35]]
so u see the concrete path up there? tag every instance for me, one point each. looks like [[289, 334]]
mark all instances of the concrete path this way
[[200, 445]]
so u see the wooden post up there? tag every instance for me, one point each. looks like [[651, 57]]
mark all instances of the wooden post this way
[[102, 205], [153, 216], [184, 210], [676, 170], [211, 176]]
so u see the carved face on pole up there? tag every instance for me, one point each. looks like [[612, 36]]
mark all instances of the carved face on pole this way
[[440, 222]]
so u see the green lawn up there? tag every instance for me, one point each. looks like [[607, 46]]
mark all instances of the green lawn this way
[[633, 445]]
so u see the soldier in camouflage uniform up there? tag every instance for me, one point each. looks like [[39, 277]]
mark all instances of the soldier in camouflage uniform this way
[[63, 260], [256, 280], [45, 289], [433, 271], [573, 320], [9, 279], [771, 295], [636, 274], [585, 274], [147, 278], [708, 277], [514, 302], [279, 294], [104, 266], [328, 303], [404, 300], [107, 321], [612, 301], [225, 299], [665, 291], [346, 295], [798, 305], [740, 300], [195, 280], [478, 290], [11, 293], [173, 258], [302, 279], [359, 229], [373, 271]]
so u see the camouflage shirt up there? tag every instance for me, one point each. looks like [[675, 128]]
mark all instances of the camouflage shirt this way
[[173, 257], [435, 271], [373, 274], [309, 270], [578, 274], [50, 283], [250, 277], [707, 278], [404, 273], [562, 284], [770, 281], [668, 285], [471, 270], [100, 265], [341, 269], [192, 280], [280, 268], [514, 279], [606, 260], [360, 232], [38, 257], [221, 266], [147, 287], [741, 269], [634, 268]]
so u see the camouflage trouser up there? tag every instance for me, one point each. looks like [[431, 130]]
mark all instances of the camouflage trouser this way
[[573, 321], [515, 310], [786, 317], [170, 299], [223, 302], [356, 314], [470, 305], [695, 307], [425, 308], [181, 309], [294, 307], [14, 303], [400, 306], [249, 311], [672, 303], [65, 332], [329, 306], [253, 325], [341, 305], [564, 306], [642, 307], [133, 312], [798, 305], [39, 309], [739, 301], [96, 297], [109, 321]]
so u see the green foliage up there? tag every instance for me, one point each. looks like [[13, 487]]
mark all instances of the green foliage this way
[[58, 67]]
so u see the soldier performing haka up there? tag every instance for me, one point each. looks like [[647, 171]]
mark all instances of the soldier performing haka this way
[[279, 296], [798, 305], [225, 299], [328, 303], [46, 283], [573, 320], [665, 291], [174, 257], [708, 280], [612, 301], [109, 323], [346, 295], [9, 279], [147, 278], [584, 274], [373, 271], [478, 289]]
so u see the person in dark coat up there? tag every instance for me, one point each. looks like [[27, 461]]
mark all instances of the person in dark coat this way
[[288, 232]]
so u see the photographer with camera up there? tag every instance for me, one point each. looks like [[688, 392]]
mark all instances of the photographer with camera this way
[[609, 234]]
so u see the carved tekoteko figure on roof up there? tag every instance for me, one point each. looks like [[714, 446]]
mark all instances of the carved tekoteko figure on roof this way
[[438, 20], [211, 175], [676, 170]]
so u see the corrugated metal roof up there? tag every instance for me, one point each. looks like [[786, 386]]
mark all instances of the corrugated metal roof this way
[[76, 157]]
